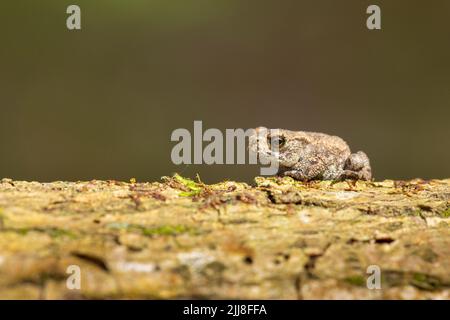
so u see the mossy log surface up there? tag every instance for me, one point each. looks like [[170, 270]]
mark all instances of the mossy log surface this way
[[276, 239]]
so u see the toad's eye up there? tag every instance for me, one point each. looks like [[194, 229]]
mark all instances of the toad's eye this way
[[276, 142]]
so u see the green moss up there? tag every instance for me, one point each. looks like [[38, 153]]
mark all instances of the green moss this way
[[57, 233], [21, 231], [165, 230], [425, 281], [446, 213], [194, 187], [189, 193], [356, 280]]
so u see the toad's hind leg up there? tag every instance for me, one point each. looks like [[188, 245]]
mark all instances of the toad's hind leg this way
[[357, 166], [312, 172]]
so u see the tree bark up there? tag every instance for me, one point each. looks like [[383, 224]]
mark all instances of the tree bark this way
[[277, 239]]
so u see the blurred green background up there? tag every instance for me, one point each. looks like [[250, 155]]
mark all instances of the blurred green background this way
[[102, 102]]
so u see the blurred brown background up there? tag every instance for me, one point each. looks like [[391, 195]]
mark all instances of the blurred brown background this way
[[102, 102]]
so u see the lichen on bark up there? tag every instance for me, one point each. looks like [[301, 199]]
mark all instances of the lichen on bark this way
[[179, 238]]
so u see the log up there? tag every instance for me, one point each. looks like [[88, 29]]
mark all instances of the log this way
[[179, 238]]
